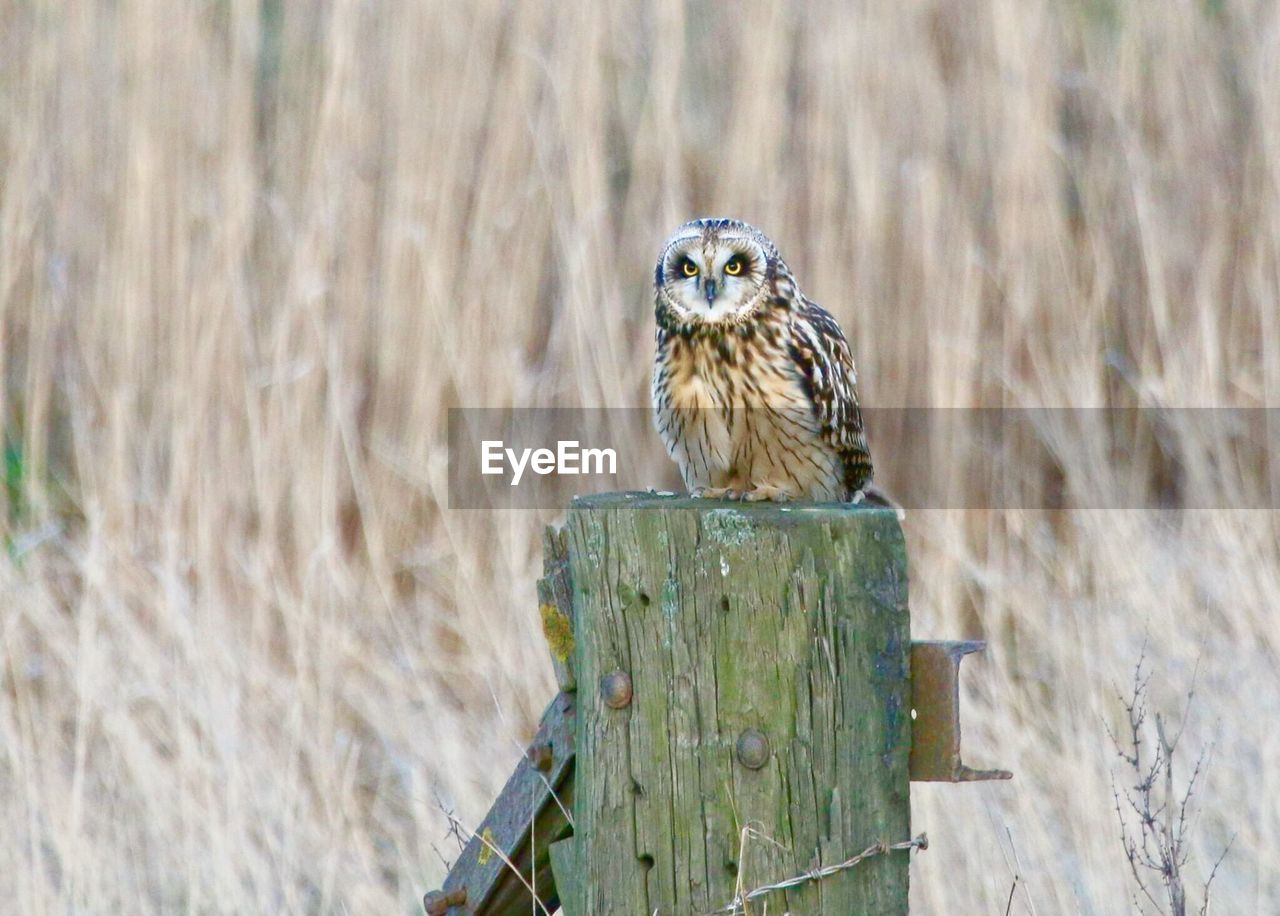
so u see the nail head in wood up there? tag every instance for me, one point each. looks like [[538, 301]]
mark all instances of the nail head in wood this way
[[615, 690], [753, 749], [437, 903], [540, 755]]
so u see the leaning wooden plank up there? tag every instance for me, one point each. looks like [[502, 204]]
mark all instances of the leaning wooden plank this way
[[564, 862], [505, 865]]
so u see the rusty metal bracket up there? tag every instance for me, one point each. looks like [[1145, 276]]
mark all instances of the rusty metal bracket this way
[[935, 713]]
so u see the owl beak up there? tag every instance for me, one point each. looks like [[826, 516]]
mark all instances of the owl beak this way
[[709, 288]]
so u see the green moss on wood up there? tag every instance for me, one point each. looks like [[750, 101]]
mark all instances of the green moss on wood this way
[[790, 620]]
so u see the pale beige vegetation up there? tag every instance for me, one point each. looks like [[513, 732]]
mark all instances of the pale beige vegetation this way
[[250, 254]]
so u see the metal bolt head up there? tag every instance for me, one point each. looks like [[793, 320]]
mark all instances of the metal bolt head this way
[[615, 690], [437, 903], [540, 755], [753, 749]]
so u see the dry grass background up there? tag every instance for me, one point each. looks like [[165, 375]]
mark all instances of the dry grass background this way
[[250, 254]]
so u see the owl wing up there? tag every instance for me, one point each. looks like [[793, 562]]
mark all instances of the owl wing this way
[[826, 364]]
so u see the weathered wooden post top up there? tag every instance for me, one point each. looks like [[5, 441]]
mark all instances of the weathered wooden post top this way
[[741, 711]]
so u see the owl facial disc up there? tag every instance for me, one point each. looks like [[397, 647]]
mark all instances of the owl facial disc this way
[[714, 271]]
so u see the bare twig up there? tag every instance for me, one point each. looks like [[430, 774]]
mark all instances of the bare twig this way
[[1158, 845], [1008, 907], [1213, 873], [1017, 871], [1014, 866]]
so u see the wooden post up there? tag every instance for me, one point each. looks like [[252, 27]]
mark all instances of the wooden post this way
[[743, 707]]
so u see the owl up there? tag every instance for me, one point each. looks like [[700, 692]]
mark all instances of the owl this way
[[753, 384]]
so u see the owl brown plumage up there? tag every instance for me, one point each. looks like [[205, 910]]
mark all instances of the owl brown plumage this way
[[754, 389]]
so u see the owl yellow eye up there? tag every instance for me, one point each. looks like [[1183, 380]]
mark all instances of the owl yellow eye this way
[[688, 268], [734, 267]]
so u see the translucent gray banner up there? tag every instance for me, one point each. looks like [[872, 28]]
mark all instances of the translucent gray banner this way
[[925, 458]]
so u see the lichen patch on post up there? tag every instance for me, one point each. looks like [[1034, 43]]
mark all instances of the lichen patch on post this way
[[558, 631], [728, 526], [486, 852]]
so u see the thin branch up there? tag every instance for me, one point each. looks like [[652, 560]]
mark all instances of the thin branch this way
[[1213, 873], [1159, 842]]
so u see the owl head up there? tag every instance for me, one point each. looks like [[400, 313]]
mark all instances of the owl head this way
[[714, 272]]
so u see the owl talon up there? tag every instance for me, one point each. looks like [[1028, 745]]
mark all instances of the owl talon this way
[[714, 493], [767, 494]]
